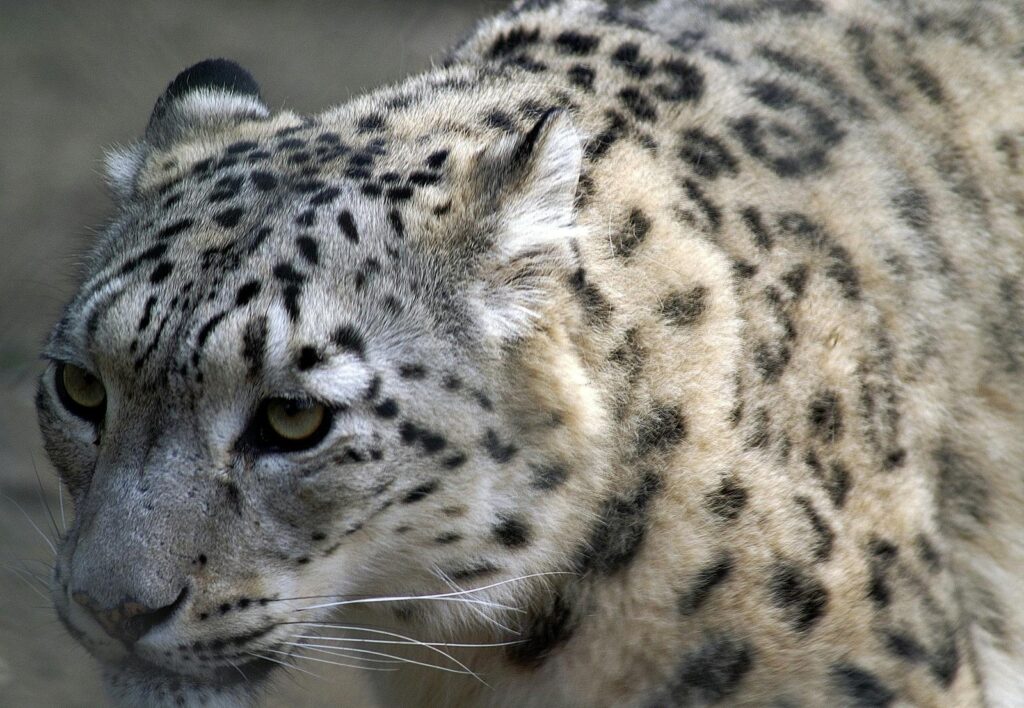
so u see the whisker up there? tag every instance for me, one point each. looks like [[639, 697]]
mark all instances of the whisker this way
[[282, 663], [480, 613], [31, 587], [363, 640], [460, 592], [334, 651], [42, 498], [33, 523], [238, 669], [332, 663], [386, 633], [400, 659]]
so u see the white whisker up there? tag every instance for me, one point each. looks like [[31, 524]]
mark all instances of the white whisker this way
[[408, 598], [282, 663], [33, 523], [28, 583], [400, 659], [42, 499], [332, 663], [386, 633], [337, 651], [480, 613], [363, 640]]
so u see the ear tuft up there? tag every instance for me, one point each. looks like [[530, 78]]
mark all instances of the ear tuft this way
[[122, 167], [208, 93]]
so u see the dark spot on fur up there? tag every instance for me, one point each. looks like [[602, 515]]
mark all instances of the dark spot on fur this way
[[549, 476], [802, 597], [824, 536], [546, 628], [620, 528], [825, 416], [662, 427], [684, 309], [512, 532], [626, 241], [706, 580], [712, 672], [866, 689], [707, 156], [421, 492], [499, 451], [229, 217], [728, 500]]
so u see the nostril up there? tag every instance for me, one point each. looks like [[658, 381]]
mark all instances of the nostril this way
[[130, 620]]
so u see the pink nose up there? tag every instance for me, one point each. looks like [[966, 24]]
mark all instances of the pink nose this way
[[130, 620]]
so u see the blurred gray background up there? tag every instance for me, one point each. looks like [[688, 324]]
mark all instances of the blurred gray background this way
[[76, 77]]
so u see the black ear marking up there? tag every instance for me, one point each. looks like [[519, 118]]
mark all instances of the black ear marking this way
[[528, 144], [210, 92], [219, 74]]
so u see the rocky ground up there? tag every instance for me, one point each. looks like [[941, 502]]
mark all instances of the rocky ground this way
[[75, 77]]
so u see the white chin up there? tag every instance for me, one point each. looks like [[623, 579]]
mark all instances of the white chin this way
[[134, 686]]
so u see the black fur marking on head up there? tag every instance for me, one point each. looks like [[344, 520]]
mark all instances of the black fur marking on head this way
[[307, 358], [547, 477], [347, 338], [728, 500], [387, 408], [706, 580], [711, 672], [686, 81], [570, 42], [229, 217], [348, 226], [620, 528], [637, 103], [396, 223], [254, 345], [802, 597], [511, 531], [499, 451], [431, 441], [173, 229], [627, 57], [582, 76], [421, 492], [866, 689], [513, 40]]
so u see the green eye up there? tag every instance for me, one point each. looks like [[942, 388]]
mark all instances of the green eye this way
[[287, 424], [81, 392]]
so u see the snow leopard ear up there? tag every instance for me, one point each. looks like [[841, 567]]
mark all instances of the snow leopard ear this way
[[210, 93], [529, 183], [205, 95], [528, 190]]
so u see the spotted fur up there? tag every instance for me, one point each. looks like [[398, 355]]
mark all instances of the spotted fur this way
[[692, 331]]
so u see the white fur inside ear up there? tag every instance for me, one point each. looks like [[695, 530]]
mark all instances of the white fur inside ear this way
[[540, 212], [122, 166], [207, 105]]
